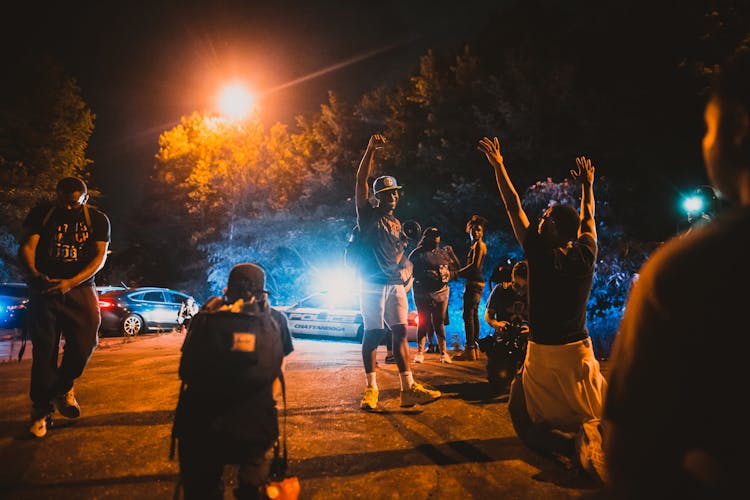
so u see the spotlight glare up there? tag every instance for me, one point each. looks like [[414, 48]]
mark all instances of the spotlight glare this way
[[693, 204], [236, 101]]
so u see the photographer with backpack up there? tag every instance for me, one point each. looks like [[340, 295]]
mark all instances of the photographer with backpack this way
[[227, 414]]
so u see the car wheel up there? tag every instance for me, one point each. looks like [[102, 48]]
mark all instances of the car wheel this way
[[132, 325]]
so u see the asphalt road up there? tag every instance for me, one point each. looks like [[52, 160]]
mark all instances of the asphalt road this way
[[461, 446]]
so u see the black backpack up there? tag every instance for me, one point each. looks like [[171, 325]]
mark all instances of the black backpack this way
[[230, 355]]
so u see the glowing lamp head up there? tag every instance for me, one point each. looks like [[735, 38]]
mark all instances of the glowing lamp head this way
[[702, 201], [693, 204], [236, 101]]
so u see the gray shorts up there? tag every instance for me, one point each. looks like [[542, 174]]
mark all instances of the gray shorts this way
[[383, 305]]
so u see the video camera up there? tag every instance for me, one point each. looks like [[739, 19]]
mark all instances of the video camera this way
[[515, 328], [511, 338]]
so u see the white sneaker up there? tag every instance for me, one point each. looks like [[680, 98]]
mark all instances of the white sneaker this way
[[445, 358], [419, 357], [588, 447], [39, 426]]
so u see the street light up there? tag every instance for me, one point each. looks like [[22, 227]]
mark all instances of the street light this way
[[693, 204], [236, 101], [700, 205]]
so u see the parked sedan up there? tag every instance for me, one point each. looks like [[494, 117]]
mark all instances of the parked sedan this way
[[13, 300], [132, 311], [327, 315]]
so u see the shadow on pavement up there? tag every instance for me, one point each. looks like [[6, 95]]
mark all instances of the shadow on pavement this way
[[478, 392], [450, 453]]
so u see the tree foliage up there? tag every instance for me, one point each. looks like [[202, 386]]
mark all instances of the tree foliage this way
[[221, 170], [622, 84], [45, 127], [553, 80]]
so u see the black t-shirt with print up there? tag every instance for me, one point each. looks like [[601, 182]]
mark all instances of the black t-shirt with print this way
[[507, 304], [66, 243]]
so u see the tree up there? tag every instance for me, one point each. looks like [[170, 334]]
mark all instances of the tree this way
[[330, 142], [45, 127], [214, 178]]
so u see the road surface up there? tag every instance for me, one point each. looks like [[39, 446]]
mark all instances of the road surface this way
[[461, 446]]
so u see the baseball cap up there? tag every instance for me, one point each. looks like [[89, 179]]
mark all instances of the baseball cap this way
[[71, 185], [246, 278], [384, 183]]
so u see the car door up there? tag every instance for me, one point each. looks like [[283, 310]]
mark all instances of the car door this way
[[317, 316], [156, 309]]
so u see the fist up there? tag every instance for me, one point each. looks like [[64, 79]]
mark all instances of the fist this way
[[376, 141]]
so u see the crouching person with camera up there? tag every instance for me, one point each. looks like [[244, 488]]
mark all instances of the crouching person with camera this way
[[508, 314], [226, 413]]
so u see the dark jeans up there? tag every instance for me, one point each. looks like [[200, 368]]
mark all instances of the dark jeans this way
[[202, 460], [432, 313], [472, 296], [75, 317]]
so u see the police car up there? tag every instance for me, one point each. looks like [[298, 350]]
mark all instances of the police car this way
[[328, 315]]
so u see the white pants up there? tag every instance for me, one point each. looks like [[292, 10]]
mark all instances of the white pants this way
[[383, 305], [563, 385]]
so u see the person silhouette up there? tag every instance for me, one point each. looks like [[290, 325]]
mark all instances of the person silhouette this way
[[434, 267], [680, 337], [556, 399], [474, 286], [385, 272]]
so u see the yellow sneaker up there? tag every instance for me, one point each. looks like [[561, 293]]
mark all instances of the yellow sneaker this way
[[418, 394], [370, 399]]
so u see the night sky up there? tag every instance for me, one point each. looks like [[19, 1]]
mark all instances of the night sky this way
[[141, 65]]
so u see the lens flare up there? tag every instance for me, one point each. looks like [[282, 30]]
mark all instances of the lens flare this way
[[693, 204], [336, 281], [236, 101]]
